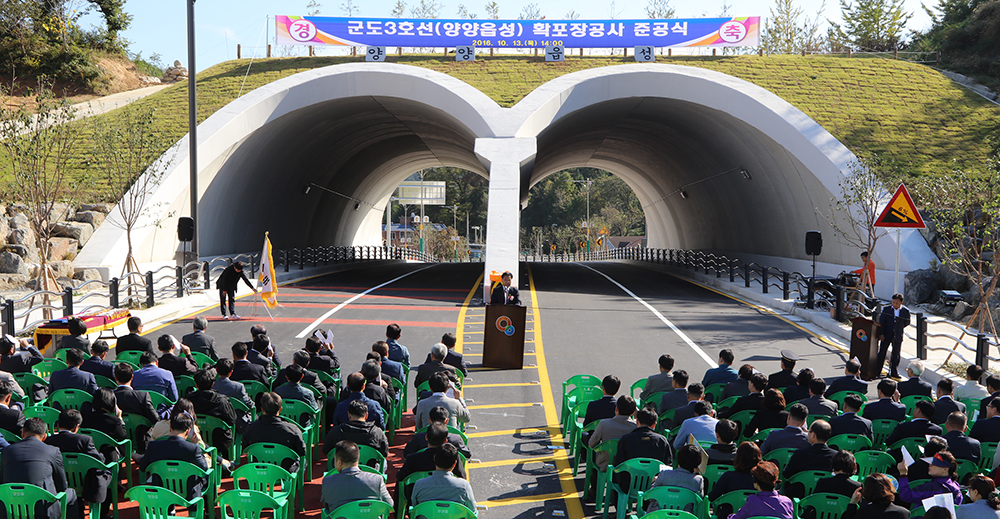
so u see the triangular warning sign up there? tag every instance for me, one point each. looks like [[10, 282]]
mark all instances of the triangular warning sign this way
[[900, 212]]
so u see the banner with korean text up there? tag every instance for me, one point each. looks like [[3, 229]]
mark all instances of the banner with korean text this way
[[404, 32]]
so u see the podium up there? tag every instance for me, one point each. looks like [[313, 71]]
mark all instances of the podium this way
[[864, 346], [503, 338]]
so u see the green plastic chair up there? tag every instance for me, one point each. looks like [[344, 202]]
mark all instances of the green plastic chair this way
[[965, 470], [732, 500], [275, 454], [103, 381], [155, 502], [590, 472], [910, 402], [670, 514], [653, 398], [424, 387], [642, 472], [185, 384], [714, 472], [714, 392], [881, 430], [240, 407], [441, 510], [132, 424], [246, 504], [373, 458], [46, 367], [872, 462], [670, 498], [640, 385], [69, 399], [201, 360], [813, 417], [124, 449], [132, 356], [26, 380], [914, 445], [971, 405], [160, 400], [839, 397], [77, 465], [289, 414], [209, 424], [743, 418], [576, 381], [48, 414], [827, 506], [363, 509], [850, 442], [987, 451], [271, 480], [254, 389], [133, 365], [808, 479], [174, 477], [917, 512], [761, 436], [9, 436], [580, 451], [726, 404], [405, 487], [780, 457], [665, 418], [19, 500]]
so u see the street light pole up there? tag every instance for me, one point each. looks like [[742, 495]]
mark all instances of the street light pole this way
[[192, 129], [454, 224], [421, 211], [587, 182]]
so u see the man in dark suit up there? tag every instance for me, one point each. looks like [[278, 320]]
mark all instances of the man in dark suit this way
[[605, 406], [243, 369], [134, 341], [945, 404], [800, 391], [850, 422], [785, 377], [17, 358], [390, 367], [66, 439], [419, 441], [321, 356], [372, 371], [818, 404], [755, 400], [177, 366], [988, 429], [914, 385], [504, 293], [892, 320], [695, 392], [309, 378], [200, 341], [72, 377], [817, 456], [919, 427], [227, 283], [175, 447], [271, 428], [960, 445], [11, 418], [360, 431], [294, 390], [77, 337], [453, 358], [886, 407], [437, 435], [993, 386], [134, 402], [96, 363], [438, 353], [793, 436], [33, 462], [644, 441], [261, 351], [844, 466], [209, 402], [662, 381], [679, 396], [850, 381], [740, 386]]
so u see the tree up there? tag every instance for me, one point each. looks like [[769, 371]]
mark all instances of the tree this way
[[530, 12], [38, 147], [349, 8], [314, 8], [660, 9], [572, 15], [427, 9], [126, 149], [493, 11], [399, 10], [464, 13], [15, 21], [789, 31], [872, 25]]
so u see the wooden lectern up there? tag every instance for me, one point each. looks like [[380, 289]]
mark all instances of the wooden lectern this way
[[503, 338], [864, 346]]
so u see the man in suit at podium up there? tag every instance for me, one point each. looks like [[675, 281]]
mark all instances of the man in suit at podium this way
[[892, 320], [504, 293]]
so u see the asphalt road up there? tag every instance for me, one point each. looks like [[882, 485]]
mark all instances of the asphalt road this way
[[580, 321]]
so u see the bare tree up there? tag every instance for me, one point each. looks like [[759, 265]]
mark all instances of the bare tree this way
[[613, 11], [313, 8], [464, 13], [127, 149], [572, 15], [427, 9], [493, 11], [399, 10], [659, 9], [38, 147], [530, 12], [349, 8]]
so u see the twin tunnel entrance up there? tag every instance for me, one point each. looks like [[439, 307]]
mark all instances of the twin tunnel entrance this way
[[718, 163]]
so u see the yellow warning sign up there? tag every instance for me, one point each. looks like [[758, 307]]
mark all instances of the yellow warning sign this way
[[901, 212]]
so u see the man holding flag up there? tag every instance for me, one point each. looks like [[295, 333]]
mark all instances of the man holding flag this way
[[265, 280]]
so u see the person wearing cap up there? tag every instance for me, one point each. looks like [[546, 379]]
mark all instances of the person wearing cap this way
[[851, 381], [767, 502], [892, 321], [914, 385], [941, 468], [504, 293], [785, 377], [227, 284]]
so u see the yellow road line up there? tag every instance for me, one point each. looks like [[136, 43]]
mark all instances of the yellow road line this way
[[462, 313], [511, 432], [501, 406], [511, 384], [504, 463], [528, 499], [574, 507]]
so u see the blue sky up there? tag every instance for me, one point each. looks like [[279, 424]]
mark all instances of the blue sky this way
[[160, 27]]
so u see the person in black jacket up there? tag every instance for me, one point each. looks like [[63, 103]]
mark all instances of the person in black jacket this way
[[227, 284], [851, 381], [209, 402], [437, 435], [33, 462], [946, 403], [243, 369], [504, 293], [11, 418], [747, 457], [103, 414], [66, 439], [177, 366], [960, 445], [198, 340], [644, 442], [877, 494], [755, 400], [419, 441], [17, 356], [453, 358], [919, 426], [892, 320], [988, 429], [850, 422], [134, 402], [176, 448], [358, 430], [844, 466], [270, 427], [72, 377], [817, 456], [134, 341], [771, 416], [723, 452], [96, 363], [77, 337], [886, 407], [800, 390]]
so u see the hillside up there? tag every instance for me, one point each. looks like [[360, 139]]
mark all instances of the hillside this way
[[901, 110]]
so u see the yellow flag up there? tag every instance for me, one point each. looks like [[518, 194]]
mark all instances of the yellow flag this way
[[265, 280]]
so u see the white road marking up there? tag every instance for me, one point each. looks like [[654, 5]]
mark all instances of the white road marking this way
[[305, 333], [697, 349]]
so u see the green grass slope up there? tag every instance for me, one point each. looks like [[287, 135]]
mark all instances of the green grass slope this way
[[907, 112]]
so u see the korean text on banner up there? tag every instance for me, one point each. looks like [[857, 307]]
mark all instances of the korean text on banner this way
[[416, 32], [265, 280]]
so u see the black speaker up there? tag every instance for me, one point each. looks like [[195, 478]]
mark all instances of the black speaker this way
[[814, 243], [185, 228]]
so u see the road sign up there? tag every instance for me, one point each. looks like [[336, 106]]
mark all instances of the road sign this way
[[553, 247], [901, 212]]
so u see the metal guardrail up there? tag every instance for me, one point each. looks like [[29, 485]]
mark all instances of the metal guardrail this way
[[146, 288]]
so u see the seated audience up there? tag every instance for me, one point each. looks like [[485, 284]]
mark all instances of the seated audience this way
[[162, 428], [771, 416], [96, 363], [767, 502], [643, 441], [457, 411], [887, 407], [941, 468], [453, 358], [397, 351], [800, 390], [309, 378], [32, 462], [740, 478], [985, 501], [358, 431], [945, 403], [785, 377], [349, 483], [695, 393], [435, 365], [134, 402], [844, 466], [993, 386], [77, 337], [919, 427], [356, 386], [134, 341], [443, 485], [11, 418], [72, 377], [755, 400], [270, 427], [972, 388], [437, 437], [603, 407], [103, 414], [702, 426], [960, 445], [68, 440], [988, 429], [178, 366], [151, 377], [679, 396], [793, 436], [374, 389], [876, 497], [419, 440], [17, 357], [176, 447], [817, 456], [686, 475], [851, 422], [913, 385], [722, 374], [741, 385], [919, 469], [223, 384], [613, 429], [243, 369], [851, 381], [198, 340], [723, 452], [294, 390], [817, 403], [209, 402], [662, 381], [321, 356], [389, 367]]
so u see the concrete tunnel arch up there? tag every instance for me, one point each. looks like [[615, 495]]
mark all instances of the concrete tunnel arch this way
[[359, 129]]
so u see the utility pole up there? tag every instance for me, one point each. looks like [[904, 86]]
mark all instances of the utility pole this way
[[422, 211], [388, 221], [454, 225], [192, 129], [588, 183]]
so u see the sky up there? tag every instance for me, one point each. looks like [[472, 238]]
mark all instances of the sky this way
[[161, 28]]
